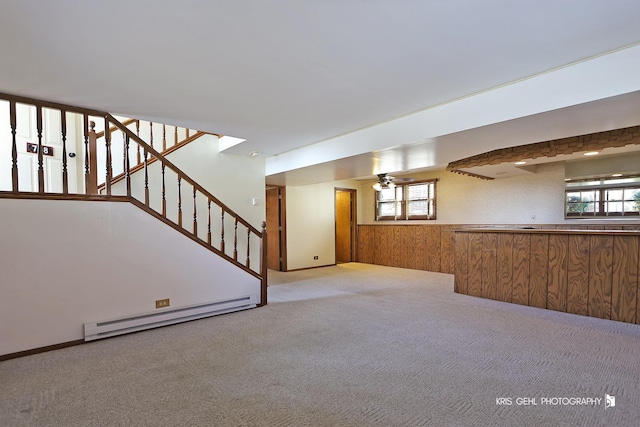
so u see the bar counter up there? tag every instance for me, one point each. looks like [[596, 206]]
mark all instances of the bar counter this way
[[586, 272]]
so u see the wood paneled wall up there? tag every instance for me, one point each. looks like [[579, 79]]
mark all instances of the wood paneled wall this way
[[420, 247], [591, 273], [430, 247]]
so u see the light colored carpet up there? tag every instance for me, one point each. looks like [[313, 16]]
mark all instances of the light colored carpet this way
[[349, 345]]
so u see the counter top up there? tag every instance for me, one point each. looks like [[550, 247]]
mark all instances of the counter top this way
[[526, 230]]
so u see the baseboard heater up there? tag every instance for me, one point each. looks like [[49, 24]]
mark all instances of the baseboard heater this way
[[125, 325]]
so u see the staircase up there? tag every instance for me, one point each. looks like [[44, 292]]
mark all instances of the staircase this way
[[50, 151], [168, 139]]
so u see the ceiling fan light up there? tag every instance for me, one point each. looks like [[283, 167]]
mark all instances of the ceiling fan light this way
[[377, 186]]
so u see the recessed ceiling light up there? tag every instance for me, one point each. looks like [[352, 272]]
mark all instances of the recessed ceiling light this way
[[567, 179], [591, 153], [616, 174], [520, 163]]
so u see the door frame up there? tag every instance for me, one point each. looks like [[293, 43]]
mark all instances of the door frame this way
[[353, 222]]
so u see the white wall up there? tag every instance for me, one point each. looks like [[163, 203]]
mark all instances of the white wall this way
[[311, 224], [525, 199], [65, 263]]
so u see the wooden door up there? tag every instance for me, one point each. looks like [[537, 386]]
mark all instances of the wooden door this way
[[345, 225], [274, 227]]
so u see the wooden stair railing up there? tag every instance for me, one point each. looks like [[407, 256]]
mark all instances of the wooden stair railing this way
[[169, 150], [182, 180], [63, 130], [145, 130], [26, 125]]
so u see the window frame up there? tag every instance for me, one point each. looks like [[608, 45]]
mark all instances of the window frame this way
[[402, 204], [600, 201]]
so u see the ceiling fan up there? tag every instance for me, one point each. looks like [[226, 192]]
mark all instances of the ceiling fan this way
[[387, 181]]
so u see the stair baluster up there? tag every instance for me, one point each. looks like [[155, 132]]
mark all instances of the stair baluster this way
[[248, 245], [222, 230], [164, 137], [85, 120], [14, 146], [151, 134], [138, 134], [164, 193], [179, 202], [263, 264], [195, 219], [107, 142], [235, 240], [40, 154], [208, 221], [65, 172], [93, 158], [124, 153], [127, 167], [146, 178]]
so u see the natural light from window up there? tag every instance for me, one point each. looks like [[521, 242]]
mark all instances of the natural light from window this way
[[407, 201], [603, 198], [227, 142]]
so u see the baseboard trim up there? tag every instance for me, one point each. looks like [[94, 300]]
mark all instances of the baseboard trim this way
[[39, 350], [310, 268]]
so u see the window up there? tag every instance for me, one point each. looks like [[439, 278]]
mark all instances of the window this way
[[603, 198], [407, 201]]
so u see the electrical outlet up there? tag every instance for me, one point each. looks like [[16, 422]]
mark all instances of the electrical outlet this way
[[161, 303], [315, 257]]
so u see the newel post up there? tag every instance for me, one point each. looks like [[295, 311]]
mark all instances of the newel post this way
[[91, 160], [263, 265]]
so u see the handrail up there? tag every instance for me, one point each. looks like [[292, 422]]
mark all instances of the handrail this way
[[180, 173], [52, 105]]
